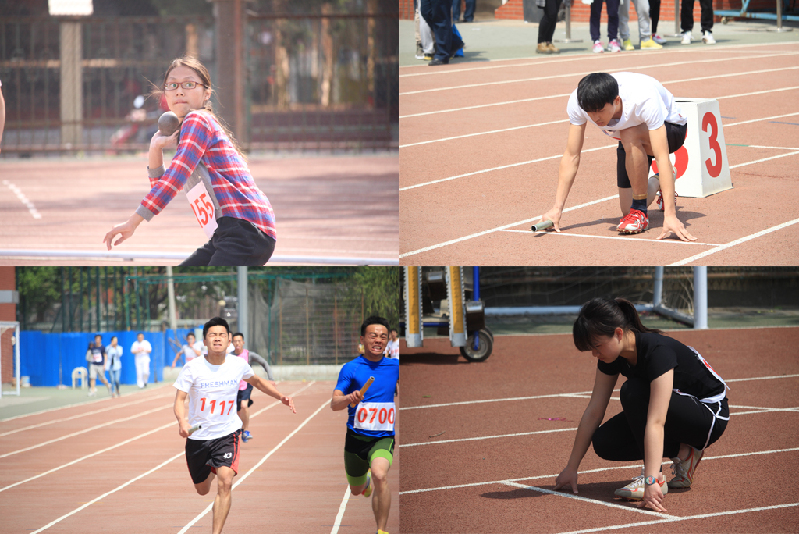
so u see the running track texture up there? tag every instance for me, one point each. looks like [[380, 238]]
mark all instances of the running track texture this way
[[484, 442], [333, 206], [118, 466], [480, 145]]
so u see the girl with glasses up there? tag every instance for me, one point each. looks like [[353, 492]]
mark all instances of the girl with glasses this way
[[234, 213]]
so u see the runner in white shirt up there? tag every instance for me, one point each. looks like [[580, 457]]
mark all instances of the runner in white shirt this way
[[211, 384], [641, 114], [392, 348], [190, 350], [141, 349]]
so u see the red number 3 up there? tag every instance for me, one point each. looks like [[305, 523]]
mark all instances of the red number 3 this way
[[709, 120]]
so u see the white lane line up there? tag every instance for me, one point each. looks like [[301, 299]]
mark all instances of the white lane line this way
[[115, 407], [577, 394], [73, 462], [764, 159], [734, 243], [499, 228], [585, 499], [481, 438], [22, 198], [340, 514], [626, 69], [256, 466], [42, 444], [106, 399], [515, 128], [673, 241], [677, 519], [566, 95], [483, 401], [759, 120], [104, 495], [597, 470]]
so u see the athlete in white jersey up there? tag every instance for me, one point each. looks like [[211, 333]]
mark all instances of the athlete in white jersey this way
[[642, 115], [211, 383]]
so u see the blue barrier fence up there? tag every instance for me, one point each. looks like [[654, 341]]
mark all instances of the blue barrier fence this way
[[42, 354]]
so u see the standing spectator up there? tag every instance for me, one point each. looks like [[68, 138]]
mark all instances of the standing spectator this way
[[113, 364], [546, 28], [190, 350], [2, 113], [243, 401], [613, 25], [468, 13], [644, 31], [141, 350], [438, 14], [392, 348], [95, 354], [687, 20], [654, 13]]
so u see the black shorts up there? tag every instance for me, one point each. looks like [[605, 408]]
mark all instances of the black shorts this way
[[243, 394], [674, 134], [236, 242], [204, 456]]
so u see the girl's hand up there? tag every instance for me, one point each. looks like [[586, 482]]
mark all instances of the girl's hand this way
[[160, 142], [653, 498], [126, 230], [567, 477]]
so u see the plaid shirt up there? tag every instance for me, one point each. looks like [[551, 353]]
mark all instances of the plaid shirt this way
[[203, 139]]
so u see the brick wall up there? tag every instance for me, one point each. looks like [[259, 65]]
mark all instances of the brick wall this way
[[8, 312]]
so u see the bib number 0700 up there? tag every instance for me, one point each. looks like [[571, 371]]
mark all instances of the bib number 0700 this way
[[375, 415]]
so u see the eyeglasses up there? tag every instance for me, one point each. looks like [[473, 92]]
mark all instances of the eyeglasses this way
[[185, 85]]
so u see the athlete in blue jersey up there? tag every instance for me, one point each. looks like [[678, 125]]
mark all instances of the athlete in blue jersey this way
[[369, 447]]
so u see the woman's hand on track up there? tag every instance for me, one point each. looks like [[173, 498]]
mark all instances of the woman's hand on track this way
[[288, 401], [653, 498], [125, 230], [554, 216], [567, 477]]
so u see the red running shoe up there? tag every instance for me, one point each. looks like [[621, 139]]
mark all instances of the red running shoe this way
[[634, 222]]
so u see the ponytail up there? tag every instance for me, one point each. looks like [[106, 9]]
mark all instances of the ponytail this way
[[600, 317]]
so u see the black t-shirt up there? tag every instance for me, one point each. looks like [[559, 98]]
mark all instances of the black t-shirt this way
[[657, 354], [98, 354]]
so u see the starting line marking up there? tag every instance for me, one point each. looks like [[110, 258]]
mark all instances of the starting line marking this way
[[586, 499], [675, 519], [674, 241]]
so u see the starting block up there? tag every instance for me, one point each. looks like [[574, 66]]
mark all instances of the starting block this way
[[700, 165], [79, 373]]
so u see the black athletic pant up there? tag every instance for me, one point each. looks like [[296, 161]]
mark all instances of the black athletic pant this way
[[687, 15], [236, 242], [546, 28], [688, 421]]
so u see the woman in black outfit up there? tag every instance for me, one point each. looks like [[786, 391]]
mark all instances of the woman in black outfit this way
[[674, 404], [546, 28]]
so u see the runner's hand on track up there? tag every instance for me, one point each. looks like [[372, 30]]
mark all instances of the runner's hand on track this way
[[653, 498], [288, 401], [554, 216], [673, 224], [567, 477]]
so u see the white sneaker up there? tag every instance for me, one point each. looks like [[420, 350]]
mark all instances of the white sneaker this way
[[686, 37], [658, 39], [636, 488], [598, 48], [707, 38], [613, 46]]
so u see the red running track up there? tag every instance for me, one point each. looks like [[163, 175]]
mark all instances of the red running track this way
[[486, 464], [144, 485], [480, 145]]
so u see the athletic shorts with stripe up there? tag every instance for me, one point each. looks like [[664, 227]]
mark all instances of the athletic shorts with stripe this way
[[359, 451], [204, 456]]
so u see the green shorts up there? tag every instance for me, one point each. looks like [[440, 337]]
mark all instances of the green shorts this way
[[359, 451]]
